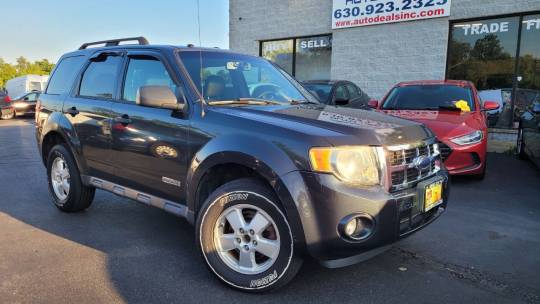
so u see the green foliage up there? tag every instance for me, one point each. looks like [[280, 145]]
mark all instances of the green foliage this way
[[23, 67]]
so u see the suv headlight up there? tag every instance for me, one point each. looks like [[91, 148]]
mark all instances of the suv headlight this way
[[469, 139], [358, 165]]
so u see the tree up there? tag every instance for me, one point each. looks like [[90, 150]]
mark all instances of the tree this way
[[489, 48], [23, 67]]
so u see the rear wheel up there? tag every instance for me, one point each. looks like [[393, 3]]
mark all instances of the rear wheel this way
[[7, 114], [67, 190], [245, 238]]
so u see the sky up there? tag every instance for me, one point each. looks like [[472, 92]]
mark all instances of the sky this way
[[38, 29]]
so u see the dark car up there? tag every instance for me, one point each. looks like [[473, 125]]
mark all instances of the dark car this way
[[6, 109], [267, 174], [338, 92], [528, 144], [25, 104]]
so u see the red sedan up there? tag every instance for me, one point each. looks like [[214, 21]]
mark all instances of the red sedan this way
[[453, 111]]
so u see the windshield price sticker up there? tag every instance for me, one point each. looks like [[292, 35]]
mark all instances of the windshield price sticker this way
[[351, 13]]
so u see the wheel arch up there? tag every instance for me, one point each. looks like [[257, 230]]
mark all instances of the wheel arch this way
[[221, 166], [58, 130]]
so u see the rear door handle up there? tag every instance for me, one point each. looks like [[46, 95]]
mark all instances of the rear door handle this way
[[124, 119], [72, 111]]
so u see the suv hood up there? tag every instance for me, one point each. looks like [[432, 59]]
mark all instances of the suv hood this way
[[347, 126], [445, 124]]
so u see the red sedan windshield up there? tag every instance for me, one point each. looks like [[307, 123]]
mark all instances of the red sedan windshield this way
[[427, 97]]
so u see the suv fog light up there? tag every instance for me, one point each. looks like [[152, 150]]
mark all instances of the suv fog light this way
[[356, 227], [350, 227]]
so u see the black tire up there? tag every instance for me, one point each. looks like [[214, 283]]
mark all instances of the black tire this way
[[520, 145], [79, 196], [247, 192]]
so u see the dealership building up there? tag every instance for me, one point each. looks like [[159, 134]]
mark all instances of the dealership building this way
[[378, 43]]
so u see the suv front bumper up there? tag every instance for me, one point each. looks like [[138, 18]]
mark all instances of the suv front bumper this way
[[325, 202]]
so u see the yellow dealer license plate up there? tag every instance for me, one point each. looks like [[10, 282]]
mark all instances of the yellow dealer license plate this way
[[433, 195]]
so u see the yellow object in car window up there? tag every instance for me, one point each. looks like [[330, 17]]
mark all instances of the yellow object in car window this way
[[462, 105]]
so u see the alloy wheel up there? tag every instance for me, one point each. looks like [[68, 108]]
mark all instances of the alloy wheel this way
[[60, 178], [247, 239]]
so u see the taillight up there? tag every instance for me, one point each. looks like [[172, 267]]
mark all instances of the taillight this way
[[7, 99]]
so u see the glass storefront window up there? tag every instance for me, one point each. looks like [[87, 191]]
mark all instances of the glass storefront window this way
[[280, 52], [313, 58], [528, 77], [484, 52], [306, 58]]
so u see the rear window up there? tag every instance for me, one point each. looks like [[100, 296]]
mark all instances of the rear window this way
[[427, 97], [63, 76], [322, 91]]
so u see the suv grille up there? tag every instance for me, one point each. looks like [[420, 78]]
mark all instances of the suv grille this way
[[404, 173]]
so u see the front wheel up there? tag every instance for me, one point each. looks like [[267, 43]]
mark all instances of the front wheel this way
[[245, 238]]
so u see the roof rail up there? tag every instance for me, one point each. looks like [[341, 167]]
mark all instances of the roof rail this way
[[114, 42]]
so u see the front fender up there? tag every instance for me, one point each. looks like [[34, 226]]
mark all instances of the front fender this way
[[267, 159]]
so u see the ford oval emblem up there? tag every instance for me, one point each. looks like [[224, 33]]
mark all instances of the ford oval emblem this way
[[421, 162]]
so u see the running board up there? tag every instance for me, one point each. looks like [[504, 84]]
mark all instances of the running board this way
[[147, 199]]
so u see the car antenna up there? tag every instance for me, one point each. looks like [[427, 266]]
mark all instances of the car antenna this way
[[201, 98]]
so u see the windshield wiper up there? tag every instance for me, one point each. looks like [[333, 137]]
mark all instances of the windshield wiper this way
[[243, 101], [297, 102], [449, 108]]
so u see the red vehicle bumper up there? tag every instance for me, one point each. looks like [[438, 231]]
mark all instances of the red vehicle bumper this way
[[465, 160]]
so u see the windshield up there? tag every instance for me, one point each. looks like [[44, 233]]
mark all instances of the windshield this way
[[228, 76], [427, 97], [320, 90]]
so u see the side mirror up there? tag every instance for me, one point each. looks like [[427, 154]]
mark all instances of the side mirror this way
[[341, 101], [491, 105], [158, 97], [373, 103]]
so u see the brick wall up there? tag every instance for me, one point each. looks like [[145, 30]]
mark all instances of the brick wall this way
[[374, 57]]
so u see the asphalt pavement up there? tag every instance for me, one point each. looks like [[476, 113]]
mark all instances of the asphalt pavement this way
[[484, 249]]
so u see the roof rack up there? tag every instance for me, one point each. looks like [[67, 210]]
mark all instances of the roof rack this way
[[115, 42]]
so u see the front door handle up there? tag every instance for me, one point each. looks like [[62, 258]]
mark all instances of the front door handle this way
[[124, 119], [72, 111]]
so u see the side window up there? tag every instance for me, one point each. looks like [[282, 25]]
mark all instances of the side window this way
[[359, 96], [100, 77], [341, 93], [31, 97], [63, 76], [353, 91], [143, 71]]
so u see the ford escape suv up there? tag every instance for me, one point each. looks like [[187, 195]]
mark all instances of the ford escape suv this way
[[265, 173]]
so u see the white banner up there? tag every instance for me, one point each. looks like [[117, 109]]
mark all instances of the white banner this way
[[350, 13]]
